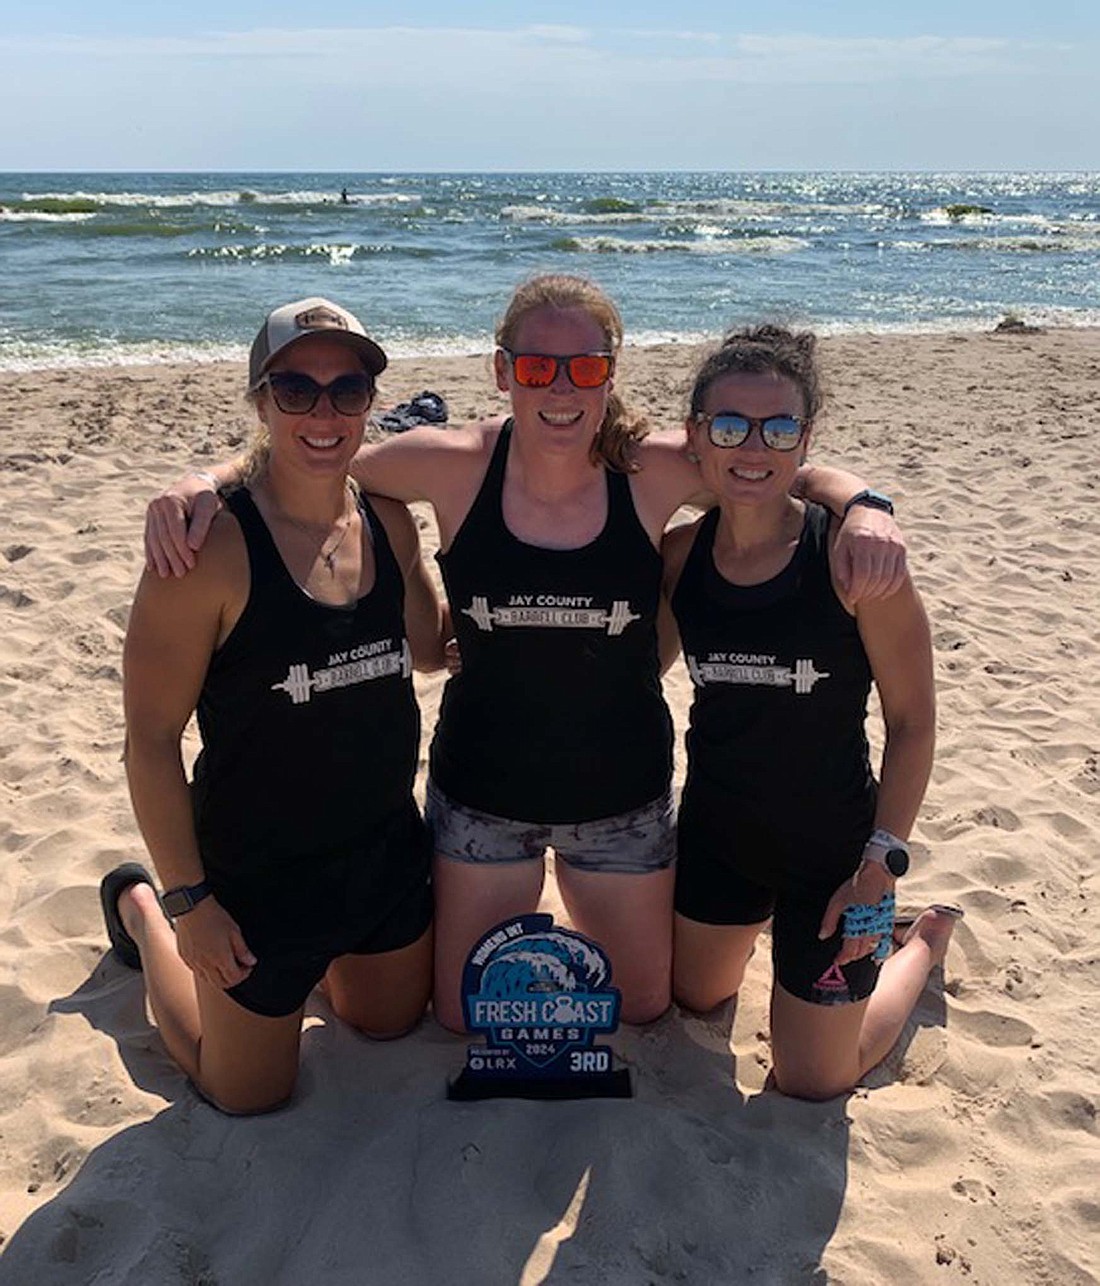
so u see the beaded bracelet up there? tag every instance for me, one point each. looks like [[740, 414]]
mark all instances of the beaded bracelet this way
[[869, 920]]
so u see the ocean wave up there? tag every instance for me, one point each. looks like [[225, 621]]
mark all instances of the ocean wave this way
[[1055, 243], [336, 253], [228, 197], [23, 355], [962, 215], [710, 246], [8, 215], [761, 209], [547, 215]]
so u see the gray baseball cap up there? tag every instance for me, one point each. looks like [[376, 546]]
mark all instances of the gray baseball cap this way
[[315, 316]]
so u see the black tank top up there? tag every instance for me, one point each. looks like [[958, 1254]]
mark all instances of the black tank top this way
[[781, 680], [309, 725], [557, 715]]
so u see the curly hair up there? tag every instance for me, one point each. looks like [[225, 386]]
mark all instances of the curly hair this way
[[756, 350], [622, 428]]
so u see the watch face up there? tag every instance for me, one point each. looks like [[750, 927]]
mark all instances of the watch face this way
[[176, 903], [897, 861]]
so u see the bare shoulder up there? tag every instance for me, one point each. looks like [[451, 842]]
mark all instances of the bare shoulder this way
[[221, 565], [173, 615], [400, 525]]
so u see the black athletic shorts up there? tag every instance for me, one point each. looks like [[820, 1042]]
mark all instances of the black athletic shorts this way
[[298, 917], [730, 870]]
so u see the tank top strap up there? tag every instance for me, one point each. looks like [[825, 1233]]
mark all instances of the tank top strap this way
[[622, 513], [486, 514], [814, 551], [263, 554], [388, 577], [700, 556]]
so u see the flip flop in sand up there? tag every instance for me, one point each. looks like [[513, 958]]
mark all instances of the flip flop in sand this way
[[111, 888], [904, 920]]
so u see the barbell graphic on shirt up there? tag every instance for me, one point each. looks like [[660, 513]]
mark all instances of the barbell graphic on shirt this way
[[300, 685], [615, 621], [801, 677]]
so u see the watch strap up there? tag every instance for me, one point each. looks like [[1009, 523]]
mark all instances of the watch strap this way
[[886, 850], [870, 499], [184, 898]]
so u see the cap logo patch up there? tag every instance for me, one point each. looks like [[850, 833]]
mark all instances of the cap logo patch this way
[[320, 319]]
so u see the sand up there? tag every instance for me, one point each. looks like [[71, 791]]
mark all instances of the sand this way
[[970, 1156]]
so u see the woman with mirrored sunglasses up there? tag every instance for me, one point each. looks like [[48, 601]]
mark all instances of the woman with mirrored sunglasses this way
[[781, 817], [555, 733], [297, 855]]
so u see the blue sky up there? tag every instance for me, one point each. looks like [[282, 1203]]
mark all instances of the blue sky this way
[[349, 86]]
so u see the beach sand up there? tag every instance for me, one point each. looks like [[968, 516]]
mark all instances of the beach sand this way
[[972, 1154]]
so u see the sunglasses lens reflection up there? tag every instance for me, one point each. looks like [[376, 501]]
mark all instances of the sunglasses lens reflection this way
[[539, 370], [590, 370], [295, 394], [534, 370], [729, 430], [350, 394], [782, 433]]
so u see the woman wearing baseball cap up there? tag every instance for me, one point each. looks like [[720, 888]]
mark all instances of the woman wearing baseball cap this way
[[296, 856]]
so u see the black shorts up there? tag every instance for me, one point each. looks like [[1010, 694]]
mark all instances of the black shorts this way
[[298, 917], [732, 871]]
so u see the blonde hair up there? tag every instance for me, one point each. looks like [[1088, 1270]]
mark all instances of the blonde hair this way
[[259, 444], [622, 428]]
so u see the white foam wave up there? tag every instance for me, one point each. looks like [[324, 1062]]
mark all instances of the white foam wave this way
[[336, 254], [708, 246], [41, 216], [28, 356], [1053, 243], [240, 196]]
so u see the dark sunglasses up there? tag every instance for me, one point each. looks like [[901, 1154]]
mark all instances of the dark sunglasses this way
[[540, 370], [731, 429], [298, 394]]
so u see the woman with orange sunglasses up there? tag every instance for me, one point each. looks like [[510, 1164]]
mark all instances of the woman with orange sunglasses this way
[[555, 734]]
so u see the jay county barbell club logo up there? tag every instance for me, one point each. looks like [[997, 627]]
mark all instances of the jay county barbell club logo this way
[[539, 994], [555, 610]]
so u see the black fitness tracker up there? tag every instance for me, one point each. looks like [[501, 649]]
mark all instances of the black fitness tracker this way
[[179, 901], [870, 499]]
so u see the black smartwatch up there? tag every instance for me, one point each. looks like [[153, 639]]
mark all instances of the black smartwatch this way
[[179, 901], [887, 850], [870, 499]]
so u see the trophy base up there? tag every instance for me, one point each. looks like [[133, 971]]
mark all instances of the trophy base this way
[[465, 1088]]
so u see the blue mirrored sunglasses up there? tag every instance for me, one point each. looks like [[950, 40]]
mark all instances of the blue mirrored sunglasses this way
[[731, 429]]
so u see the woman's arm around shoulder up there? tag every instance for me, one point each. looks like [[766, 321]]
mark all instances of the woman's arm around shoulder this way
[[420, 463], [425, 620], [869, 559]]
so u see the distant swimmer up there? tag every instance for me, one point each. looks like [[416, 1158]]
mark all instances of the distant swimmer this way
[[344, 196]]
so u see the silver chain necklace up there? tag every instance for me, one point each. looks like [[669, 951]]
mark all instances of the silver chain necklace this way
[[327, 556]]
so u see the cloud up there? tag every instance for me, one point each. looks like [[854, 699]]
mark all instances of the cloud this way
[[516, 54]]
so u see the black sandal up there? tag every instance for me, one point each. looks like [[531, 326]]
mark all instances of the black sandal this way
[[111, 888]]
